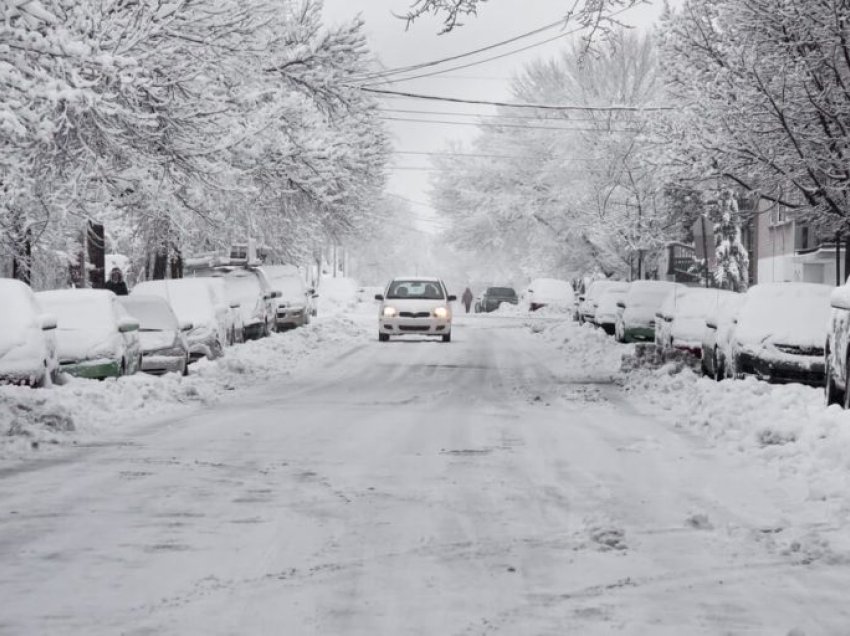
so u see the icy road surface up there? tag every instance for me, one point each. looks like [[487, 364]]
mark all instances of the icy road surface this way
[[488, 486]]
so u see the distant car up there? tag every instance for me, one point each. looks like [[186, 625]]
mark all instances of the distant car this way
[[780, 331], [161, 336], [27, 339], [493, 297], [295, 305], [550, 292], [96, 337], [588, 301], [193, 301], [607, 310], [715, 337], [637, 320], [251, 289], [680, 321], [415, 307]]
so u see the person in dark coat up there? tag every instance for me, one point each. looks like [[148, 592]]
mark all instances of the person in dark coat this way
[[116, 283], [467, 299]]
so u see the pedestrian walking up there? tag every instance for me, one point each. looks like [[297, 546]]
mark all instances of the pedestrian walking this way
[[467, 299]]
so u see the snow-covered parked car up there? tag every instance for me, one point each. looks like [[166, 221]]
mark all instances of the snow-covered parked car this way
[[193, 301], [636, 321], [229, 309], [607, 311], [161, 336], [95, 336], [837, 352], [717, 333], [27, 339], [589, 301], [250, 288], [493, 297], [780, 331], [680, 322], [295, 305], [550, 292], [415, 307]]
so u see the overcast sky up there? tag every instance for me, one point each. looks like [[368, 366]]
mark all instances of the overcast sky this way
[[394, 46]]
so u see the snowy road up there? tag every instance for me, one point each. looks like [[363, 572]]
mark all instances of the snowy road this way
[[486, 486]]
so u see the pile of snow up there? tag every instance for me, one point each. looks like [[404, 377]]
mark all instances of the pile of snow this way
[[337, 295], [786, 424], [586, 351], [81, 411]]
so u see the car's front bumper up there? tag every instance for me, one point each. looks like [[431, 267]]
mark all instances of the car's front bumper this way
[[639, 334], [290, 317], [782, 368], [159, 364], [92, 369], [414, 326]]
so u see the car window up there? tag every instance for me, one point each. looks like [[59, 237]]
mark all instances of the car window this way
[[505, 292], [423, 290]]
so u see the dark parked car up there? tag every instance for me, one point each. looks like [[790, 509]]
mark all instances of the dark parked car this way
[[495, 296]]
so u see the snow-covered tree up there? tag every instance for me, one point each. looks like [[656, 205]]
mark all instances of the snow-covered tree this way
[[732, 261]]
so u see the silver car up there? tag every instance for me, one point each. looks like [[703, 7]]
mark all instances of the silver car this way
[[161, 336]]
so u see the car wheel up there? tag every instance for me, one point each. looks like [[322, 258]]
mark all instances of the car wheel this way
[[831, 391], [447, 337], [185, 367], [383, 337]]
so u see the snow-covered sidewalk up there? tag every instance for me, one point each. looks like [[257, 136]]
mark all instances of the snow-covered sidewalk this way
[[81, 411]]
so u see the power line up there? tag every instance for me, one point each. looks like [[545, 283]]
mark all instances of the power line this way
[[559, 107], [500, 125], [495, 57], [540, 118], [452, 58]]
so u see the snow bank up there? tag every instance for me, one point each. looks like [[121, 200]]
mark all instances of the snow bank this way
[[585, 350], [81, 411], [786, 424]]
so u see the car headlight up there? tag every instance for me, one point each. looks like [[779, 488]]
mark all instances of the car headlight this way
[[390, 312], [441, 312]]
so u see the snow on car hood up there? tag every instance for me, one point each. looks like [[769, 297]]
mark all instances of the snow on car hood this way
[[80, 344], [794, 314], [551, 291], [153, 340]]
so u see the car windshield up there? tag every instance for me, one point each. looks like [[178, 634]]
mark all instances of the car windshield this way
[[501, 292], [243, 289], [419, 289], [151, 314]]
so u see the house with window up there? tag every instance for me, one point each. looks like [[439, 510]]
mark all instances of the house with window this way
[[788, 248]]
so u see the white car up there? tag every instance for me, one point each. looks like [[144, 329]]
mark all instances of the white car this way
[[95, 336], [780, 332], [590, 299], [27, 341], [294, 307], [681, 319], [607, 310], [162, 337], [193, 301], [251, 290], [550, 292], [415, 307]]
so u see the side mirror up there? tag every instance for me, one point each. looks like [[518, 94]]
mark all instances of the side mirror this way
[[126, 325], [581, 298], [276, 294], [47, 322], [711, 323], [530, 291], [235, 305], [186, 325], [621, 304], [379, 296], [452, 298], [312, 290], [734, 321]]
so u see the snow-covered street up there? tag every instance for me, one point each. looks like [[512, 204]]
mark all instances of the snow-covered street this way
[[504, 483]]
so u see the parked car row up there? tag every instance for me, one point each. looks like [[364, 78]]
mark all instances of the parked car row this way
[[778, 332], [160, 327]]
